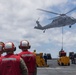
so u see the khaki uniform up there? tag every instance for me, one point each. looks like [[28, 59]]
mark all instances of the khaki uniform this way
[[23, 66]]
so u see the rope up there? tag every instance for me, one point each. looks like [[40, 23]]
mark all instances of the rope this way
[[62, 38]]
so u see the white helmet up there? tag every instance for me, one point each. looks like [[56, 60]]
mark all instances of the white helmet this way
[[24, 44], [9, 46]]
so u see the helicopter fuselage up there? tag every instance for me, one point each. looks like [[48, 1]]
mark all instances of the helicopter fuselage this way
[[60, 21]]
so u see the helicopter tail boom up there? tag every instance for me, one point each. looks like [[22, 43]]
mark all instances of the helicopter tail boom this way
[[38, 26]]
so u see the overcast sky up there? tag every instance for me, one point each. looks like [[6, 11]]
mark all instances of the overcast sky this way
[[18, 18]]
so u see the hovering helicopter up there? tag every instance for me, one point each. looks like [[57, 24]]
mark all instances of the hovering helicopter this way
[[59, 21]]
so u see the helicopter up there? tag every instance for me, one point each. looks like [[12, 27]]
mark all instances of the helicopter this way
[[58, 21]]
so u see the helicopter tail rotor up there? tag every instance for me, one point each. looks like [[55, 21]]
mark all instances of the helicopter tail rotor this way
[[37, 21], [38, 25]]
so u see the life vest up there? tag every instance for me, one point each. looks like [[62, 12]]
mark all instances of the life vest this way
[[10, 65], [30, 61]]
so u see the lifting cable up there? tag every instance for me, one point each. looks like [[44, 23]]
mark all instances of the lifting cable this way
[[62, 38], [61, 48]]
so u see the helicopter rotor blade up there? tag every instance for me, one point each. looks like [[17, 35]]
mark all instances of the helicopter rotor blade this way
[[53, 18], [48, 11], [71, 10]]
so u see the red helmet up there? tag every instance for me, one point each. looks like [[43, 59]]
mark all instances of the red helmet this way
[[9, 46], [24, 44], [1, 46]]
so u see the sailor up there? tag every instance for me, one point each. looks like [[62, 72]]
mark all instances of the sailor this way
[[28, 57], [45, 57], [1, 48], [11, 64]]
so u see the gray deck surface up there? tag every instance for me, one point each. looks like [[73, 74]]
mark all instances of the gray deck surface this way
[[55, 69]]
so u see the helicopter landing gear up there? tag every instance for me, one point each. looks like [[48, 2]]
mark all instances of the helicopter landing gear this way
[[70, 26]]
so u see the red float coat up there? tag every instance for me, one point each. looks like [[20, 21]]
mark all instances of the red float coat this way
[[10, 65], [30, 60]]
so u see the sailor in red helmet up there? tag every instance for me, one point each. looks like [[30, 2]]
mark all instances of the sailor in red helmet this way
[[28, 57], [1, 48], [12, 64]]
